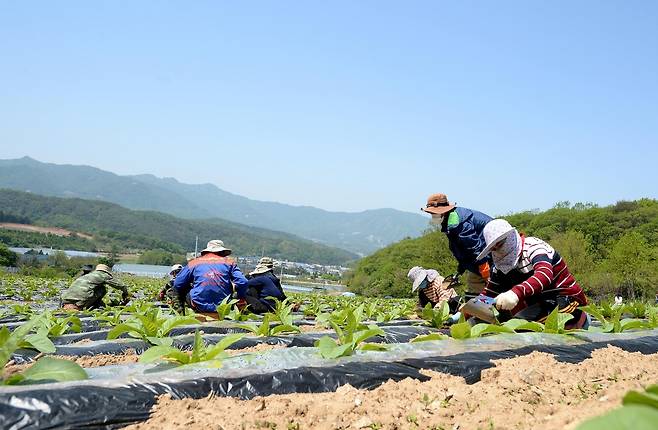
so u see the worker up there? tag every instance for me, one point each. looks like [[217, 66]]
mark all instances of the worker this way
[[87, 291], [209, 279], [529, 278], [463, 227]]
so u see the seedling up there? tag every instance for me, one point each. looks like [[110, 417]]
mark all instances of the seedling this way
[[153, 327], [200, 352], [266, 329], [349, 341]]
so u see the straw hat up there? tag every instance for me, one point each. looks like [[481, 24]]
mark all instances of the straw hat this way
[[261, 268], [266, 261], [417, 274], [175, 268], [438, 204], [216, 246], [104, 268]]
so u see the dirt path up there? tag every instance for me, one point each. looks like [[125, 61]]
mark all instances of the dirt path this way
[[529, 392], [37, 229]]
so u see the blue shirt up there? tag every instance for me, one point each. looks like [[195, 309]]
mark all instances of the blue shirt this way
[[208, 280], [465, 239]]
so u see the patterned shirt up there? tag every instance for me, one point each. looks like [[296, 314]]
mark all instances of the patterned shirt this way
[[539, 273]]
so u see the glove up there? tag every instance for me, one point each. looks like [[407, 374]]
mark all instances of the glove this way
[[125, 298], [484, 270], [454, 319], [507, 300]]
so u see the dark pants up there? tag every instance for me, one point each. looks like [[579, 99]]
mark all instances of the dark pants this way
[[254, 303]]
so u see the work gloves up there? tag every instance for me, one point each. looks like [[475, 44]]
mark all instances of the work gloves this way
[[507, 301]]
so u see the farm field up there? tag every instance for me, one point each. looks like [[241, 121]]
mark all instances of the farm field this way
[[336, 362]]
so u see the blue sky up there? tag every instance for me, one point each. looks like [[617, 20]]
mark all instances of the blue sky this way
[[504, 106]]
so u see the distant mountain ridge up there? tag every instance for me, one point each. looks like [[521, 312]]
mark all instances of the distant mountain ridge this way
[[362, 232], [103, 225]]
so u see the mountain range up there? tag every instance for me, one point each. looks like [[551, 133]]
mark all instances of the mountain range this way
[[96, 225], [361, 233]]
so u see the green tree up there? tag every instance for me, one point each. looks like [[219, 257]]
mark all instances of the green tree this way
[[7, 257], [633, 264]]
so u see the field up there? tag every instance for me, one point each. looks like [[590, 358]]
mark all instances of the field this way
[[335, 363]]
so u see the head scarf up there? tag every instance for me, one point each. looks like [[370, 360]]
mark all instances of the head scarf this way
[[507, 255]]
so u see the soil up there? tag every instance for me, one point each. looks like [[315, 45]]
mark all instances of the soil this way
[[529, 392], [313, 328], [86, 361], [51, 230], [256, 348]]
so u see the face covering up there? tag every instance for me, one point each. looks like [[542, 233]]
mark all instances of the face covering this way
[[436, 220], [507, 255]]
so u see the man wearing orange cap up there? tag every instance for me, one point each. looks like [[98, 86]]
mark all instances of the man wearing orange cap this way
[[463, 227]]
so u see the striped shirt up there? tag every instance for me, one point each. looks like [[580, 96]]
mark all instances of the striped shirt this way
[[539, 272]]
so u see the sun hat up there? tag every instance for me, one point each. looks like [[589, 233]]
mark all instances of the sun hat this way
[[494, 232], [104, 268], [417, 274], [438, 204], [175, 268], [267, 261], [216, 246], [261, 268]]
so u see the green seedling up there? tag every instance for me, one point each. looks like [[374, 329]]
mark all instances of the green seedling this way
[[266, 329], [349, 341], [225, 307], [639, 411], [615, 324], [153, 326], [48, 369], [53, 326], [22, 337], [199, 353], [436, 317], [429, 337]]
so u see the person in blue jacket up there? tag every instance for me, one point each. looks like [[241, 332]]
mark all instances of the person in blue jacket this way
[[259, 289], [463, 228], [209, 279]]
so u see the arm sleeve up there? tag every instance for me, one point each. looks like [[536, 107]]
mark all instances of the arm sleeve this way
[[240, 282], [183, 281], [540, 279], [472, 243], [115, 283]]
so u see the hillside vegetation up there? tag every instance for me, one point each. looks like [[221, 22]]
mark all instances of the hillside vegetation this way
[[113, 226], [362, 232], [609, 249]]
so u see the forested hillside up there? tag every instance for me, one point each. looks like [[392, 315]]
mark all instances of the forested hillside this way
[[609, 249], [359, 232], [114, 226]]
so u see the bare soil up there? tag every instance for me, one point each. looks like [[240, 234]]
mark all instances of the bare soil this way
[[313, 329], [256, 348], [86, 361], [529, 392], [37, 229]]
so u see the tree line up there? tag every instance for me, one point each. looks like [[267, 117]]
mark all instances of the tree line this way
[[612, 249]]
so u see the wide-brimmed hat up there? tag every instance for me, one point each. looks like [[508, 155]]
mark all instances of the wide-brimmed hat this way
[[104, 268], [267, 261], [175, 268], [495, 232], [417, 274], [438, 204], [261, 268], [216, 246]]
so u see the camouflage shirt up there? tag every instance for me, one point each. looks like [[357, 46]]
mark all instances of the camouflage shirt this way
[[91, 285]]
